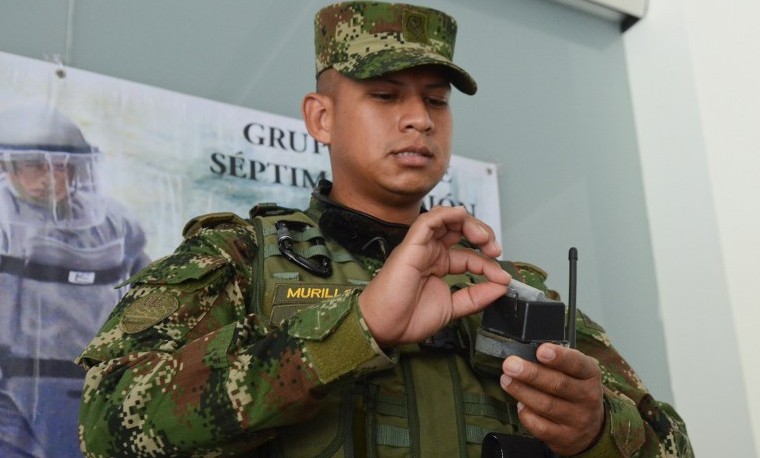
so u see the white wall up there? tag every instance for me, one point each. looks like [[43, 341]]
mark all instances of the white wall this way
[[694, 70]]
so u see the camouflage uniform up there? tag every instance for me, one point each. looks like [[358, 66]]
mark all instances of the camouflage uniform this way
[[225, 348], [185, 367]]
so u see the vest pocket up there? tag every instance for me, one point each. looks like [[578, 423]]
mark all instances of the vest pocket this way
[[485, 414], [324, 436]]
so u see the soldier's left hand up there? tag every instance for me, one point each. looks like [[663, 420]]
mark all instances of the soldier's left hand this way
[[409, 299], [560, 400]]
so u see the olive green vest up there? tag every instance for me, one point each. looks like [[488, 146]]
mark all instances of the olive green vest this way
[[430, 404]]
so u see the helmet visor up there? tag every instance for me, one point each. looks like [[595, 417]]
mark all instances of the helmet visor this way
[[59, 188]]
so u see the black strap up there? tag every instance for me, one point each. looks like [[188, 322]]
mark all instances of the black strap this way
[[497, 445], [42, 272], [29, 367], [447, 339]]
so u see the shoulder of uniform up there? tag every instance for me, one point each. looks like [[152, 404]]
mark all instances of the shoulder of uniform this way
[[530, 274], [524, 271], [527, 269], [211, 220]]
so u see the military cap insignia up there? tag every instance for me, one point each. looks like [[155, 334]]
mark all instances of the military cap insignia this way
[[147, 311], [414, 25]]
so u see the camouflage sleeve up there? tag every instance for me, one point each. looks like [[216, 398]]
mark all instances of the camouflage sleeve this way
[[636, 424], [181, 368]]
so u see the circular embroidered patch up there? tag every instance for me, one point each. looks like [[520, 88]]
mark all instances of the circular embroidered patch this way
[[147, 311]]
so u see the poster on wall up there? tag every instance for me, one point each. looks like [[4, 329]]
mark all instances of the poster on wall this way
[[97, 178]]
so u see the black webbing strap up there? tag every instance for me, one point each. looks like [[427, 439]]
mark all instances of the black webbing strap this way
[[41, 272], [12, 366], [448, 339]]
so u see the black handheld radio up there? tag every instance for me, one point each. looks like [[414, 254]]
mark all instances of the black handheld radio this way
[[516, 324]]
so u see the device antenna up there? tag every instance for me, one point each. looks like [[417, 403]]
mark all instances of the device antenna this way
[[572, 256]]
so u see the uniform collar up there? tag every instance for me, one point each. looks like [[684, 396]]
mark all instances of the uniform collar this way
[[358, 232]]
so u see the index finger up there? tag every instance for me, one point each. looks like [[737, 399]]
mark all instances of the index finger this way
[[450, 224], [482, 235], [568, 361]]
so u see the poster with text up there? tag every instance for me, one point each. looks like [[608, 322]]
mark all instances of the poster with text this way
[[97, 178]]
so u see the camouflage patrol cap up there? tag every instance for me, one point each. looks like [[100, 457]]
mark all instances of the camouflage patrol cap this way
[[366, 39]]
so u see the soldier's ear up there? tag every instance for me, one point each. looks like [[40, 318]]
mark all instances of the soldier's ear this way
[[317, 110]]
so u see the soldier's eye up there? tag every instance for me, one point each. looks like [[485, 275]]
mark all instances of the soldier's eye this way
[[387, 96], [438, 102]]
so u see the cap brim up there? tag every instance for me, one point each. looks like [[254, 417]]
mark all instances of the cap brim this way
[[393, 60]]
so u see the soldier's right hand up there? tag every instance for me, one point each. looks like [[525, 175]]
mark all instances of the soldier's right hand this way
[[409, 301]]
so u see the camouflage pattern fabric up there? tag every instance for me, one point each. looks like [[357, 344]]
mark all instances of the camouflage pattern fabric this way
[[367, 39], [210, 378]]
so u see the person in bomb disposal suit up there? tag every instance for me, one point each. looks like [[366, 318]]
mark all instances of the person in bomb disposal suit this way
[[347, 329], [63, 248]]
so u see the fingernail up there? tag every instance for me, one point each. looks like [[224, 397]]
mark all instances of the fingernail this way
[[513, 367], [505, 381], [520, 406], [548, 354]]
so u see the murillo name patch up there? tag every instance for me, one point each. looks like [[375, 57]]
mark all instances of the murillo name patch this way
[[289, 298]]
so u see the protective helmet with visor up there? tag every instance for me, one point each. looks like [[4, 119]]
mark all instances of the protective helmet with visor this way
[[49, 165]]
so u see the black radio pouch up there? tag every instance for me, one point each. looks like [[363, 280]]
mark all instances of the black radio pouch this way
[[496, 445]]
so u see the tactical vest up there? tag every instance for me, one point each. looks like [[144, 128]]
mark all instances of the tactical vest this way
[[430, 404]]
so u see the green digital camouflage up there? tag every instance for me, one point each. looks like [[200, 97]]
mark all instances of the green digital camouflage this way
[[198, 360], [366, 39]]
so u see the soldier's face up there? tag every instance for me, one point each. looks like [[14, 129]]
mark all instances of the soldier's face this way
[[390, 137], [41, 181]]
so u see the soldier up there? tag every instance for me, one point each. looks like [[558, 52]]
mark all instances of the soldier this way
[[347, 329], [63, 248]]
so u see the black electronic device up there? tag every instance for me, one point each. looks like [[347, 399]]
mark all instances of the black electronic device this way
[[518, 322], [496, 445]]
